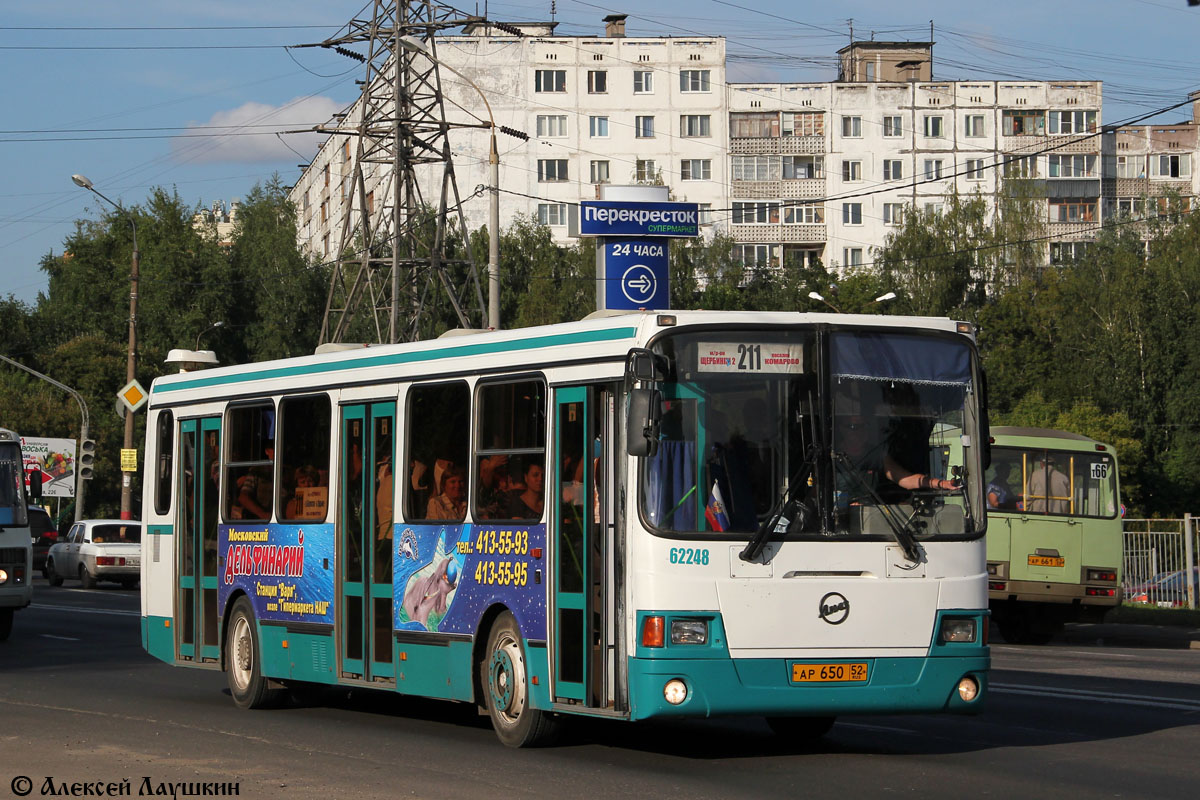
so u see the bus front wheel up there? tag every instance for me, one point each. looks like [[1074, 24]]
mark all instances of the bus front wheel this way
[[243, 660], [506, 689]]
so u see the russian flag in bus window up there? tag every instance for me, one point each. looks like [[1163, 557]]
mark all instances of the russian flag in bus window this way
[[714, 512]]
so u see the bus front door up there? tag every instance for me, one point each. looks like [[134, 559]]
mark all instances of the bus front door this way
[[585, 632], [197, 620], [365, 541]]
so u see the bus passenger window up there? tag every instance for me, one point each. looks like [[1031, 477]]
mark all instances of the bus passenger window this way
[[510, 451], [304, 425], [165, 444], [437, 436], [250, 467]]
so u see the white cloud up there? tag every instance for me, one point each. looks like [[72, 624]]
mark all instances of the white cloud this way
[[262, 120]]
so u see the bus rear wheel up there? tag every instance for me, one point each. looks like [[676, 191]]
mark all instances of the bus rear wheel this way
[[800, 728], [243, 660], [506, 689]]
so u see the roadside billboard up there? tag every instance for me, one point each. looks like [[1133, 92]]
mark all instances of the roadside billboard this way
[[55, 459]]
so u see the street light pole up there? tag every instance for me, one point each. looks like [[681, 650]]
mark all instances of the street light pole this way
[[131, 361], [218, 324], [415, 45], [84, 427]]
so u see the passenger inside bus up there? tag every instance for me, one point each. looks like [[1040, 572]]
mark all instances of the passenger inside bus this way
[[999, 494], [451, 502], [528, 504]]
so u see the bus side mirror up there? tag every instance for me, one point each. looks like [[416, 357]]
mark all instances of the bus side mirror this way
[[35, 484], [641, 431], [643, 365]]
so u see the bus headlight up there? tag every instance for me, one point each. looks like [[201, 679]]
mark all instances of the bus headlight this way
[[675, 691], [689, 631], [958, 629], [968, 689], [3, 576]]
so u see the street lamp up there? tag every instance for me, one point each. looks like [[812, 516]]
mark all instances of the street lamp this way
[[885, 297], [218, 324], [816, 296], [415, 45], [131, 363]]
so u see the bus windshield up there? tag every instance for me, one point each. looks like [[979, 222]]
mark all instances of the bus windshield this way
[[744, 426], [12, 485]]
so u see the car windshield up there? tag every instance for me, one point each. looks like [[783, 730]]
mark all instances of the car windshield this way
[[116, 534]]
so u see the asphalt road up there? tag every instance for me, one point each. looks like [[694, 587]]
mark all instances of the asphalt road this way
[[81, 702]]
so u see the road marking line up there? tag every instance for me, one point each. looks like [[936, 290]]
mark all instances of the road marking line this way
[[1099, 697], [64, 638], [78, 610]]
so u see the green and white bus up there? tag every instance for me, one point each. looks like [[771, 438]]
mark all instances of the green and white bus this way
[[16, 546], [634, 516], [1054, 537]]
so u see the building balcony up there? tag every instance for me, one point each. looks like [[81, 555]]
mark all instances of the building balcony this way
[[1071, 230], [791, 189], [775, 234], [774, 145]]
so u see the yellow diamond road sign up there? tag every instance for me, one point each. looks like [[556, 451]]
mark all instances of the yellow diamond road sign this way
[[132, 395]]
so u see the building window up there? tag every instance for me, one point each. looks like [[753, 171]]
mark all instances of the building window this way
[[974, 169], [325, 244], [933, 127], [1072, 211], [643, 127], [597, 81], [1066, 252], [804, 123], [755, 168], [705, 212], [755, 213], [893, 126], [933, 209], [852, 213], [552, 169], [599, 172], [806, 214], [851, 170], [973, 126], [1023, 167], [552, 127], [598, 127], [754, 125], [694, 126], [1024, 123], [1072, 122], [553, 213], [1059, 166], [852, 256], [893, 213], [893, 169], [752, 255], [693, 80], [803, 167], [370, 202], [643, 82], [1176, 166], [645, 171], [933, 169], [326, 173], [696, 169], [1131, 207], [851, 127], [1131, 167], [324, 211], [550, 80]]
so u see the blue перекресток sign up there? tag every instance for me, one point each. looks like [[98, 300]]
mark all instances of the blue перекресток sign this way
[[620, 218]]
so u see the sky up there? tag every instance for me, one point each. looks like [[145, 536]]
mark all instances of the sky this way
[[203, 98]]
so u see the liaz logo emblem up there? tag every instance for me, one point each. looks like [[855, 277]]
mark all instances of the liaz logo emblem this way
[[834, 608]]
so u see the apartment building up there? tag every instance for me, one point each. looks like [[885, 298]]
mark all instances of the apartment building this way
[[792, 171], [598, 110]]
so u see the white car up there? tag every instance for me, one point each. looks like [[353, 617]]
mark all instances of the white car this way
[[98, 550]]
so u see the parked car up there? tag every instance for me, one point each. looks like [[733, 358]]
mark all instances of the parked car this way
[[98, 550], [1167, 590], [44, 535]]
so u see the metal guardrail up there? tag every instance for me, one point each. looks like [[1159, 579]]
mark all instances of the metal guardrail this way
[[1159, 562]]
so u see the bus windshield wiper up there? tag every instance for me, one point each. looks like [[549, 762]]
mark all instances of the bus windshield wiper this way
[[776, 520], [900, 527]]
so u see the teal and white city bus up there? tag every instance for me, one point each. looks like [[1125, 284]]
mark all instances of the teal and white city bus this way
[[634, 516], [16, 546], [1054, 541]]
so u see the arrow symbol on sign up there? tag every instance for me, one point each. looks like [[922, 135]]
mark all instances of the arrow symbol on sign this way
[[641, 284]]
